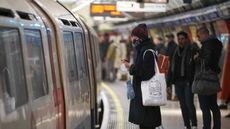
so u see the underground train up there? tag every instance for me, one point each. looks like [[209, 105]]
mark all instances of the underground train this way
[[49, 67]]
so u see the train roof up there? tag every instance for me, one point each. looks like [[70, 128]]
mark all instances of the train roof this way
[[21, 6], [56, 9]]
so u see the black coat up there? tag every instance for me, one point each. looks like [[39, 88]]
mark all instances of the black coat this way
[[210, 52], [189, 67], [161, 49], [170, 49], [143, 69]]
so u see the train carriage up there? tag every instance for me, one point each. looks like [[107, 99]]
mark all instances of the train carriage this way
[[47, 67]]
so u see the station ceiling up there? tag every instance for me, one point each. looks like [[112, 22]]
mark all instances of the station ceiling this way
[[172, 7]]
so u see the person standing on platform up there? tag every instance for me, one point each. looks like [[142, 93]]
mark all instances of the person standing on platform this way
[[104, 45], [181, 73], [111, 57], [171, 45], [210, 53], [160, 46], [147, 117], [170, 49]]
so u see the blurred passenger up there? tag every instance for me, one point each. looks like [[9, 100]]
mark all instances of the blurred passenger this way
[[195, 48], [122, 55], [210, 53], [129, 48], [163, 59], [111, 57], [171, 45], [181, 74], [142, 69], [104, 45], [170, 48], [160, 46]]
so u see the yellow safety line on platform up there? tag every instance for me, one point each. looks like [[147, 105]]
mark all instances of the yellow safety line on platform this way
[[120, 113]]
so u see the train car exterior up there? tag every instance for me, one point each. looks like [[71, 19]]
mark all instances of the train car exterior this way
[[48, 73]]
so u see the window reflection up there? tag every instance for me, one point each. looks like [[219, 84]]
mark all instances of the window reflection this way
[[13, 92], [36, 63], [70, 59], [80, 51]]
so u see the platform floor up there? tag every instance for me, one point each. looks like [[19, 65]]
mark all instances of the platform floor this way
[[119, 108]]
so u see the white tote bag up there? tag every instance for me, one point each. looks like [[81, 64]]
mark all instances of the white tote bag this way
[[154, 90]]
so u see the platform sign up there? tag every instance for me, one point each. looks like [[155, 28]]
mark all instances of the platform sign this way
[[131, 6], [156, 1], [105, 10]]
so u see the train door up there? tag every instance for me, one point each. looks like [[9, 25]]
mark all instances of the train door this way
[[38, 71], [83, 74], [57, 87], [81, 42], [73, 90], [74, 104], [89, 49], [14, 100]]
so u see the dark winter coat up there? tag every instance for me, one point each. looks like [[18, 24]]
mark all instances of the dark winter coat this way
[[210, 52], [143, 69], [161, 49], [104, 46], [188, 70], [170, 49], [169, 52]]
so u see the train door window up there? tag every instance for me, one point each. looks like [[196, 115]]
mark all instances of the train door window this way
[[80, 50], [70, 59], [13, 91], [36, 63]]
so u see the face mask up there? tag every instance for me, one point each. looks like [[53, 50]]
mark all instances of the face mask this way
[[136, 42]]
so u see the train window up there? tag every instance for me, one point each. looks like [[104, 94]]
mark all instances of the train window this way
[[73, 23], [36, 63], [80, 51], [13, 91], [26, 16], [70, 59], [6, 12], [65, 22]]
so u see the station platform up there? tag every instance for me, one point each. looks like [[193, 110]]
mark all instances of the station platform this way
[[116, 110]]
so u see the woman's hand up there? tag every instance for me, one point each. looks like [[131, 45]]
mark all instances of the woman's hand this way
[[195, 56]]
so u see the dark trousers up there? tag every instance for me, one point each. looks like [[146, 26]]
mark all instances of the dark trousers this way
[[207, 104], [145, 127], [185, 97]]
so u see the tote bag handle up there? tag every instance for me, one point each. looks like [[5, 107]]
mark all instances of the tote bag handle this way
[[154, 55]]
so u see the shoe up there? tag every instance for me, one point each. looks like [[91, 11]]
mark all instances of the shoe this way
[[223, 106], [227, 116]]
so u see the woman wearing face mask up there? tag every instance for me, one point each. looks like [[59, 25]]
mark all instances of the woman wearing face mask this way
[[147, 117]]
